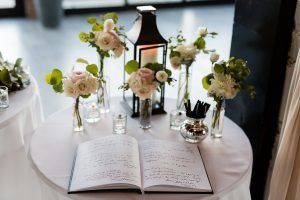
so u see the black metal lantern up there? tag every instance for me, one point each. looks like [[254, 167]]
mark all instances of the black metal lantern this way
[[146, 45]]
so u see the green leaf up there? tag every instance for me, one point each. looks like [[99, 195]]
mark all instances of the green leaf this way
[[131, 66], [97, 27], [58, 87], [85, 96], [18, 62], [169, 72], [48, 78], [206, 81], [91, 20], [111, 15], [174, 54], [84, 37], [56, 77], [213, 33], [5, 78], [200, 43], [93, 69], [219, 68], [81, 60]]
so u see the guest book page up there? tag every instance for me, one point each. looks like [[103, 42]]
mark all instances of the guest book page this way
[[107, 163], [169, 166]]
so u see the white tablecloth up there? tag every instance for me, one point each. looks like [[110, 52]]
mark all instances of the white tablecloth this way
[[21, 118], [228, 160]]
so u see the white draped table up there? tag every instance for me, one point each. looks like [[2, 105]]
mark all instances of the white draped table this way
[[228, 160], [22, 117]]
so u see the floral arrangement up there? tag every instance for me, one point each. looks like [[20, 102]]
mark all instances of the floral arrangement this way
[[185, 54], [105, 37], [76, 84], [226, 80], [144, 81], [12, 75]]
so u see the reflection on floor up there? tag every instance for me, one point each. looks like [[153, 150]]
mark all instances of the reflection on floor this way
[[43, 49]]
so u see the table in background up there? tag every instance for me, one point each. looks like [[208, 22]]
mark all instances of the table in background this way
[[20, 119], [228, 160]]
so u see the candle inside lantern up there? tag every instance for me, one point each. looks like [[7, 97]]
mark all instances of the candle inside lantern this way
[[93, 110], [148, 55]]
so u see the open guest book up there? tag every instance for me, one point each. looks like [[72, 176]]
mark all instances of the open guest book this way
[[120, 162]]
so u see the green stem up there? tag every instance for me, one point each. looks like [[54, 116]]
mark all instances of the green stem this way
[[77, 113], [216, 116]]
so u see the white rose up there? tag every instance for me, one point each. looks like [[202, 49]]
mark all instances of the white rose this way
[[70, 89], [118, 50], [214, 57], [175, 62], [161, 76], [82, 87], [202, 31], [187, 51], [105, 40], [145, 92], [109, 25]]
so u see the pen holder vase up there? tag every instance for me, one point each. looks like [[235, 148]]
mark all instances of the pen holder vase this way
[[194, 130]]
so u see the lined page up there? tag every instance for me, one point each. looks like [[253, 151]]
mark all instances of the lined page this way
[[172, 166], [106, 161]]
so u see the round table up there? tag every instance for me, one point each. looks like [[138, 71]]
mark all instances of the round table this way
[[228, 160], [21, 118]]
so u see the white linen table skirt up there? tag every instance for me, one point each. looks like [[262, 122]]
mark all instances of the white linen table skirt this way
[[22, 117], [228, 160]]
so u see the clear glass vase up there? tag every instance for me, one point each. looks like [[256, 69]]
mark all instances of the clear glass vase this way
[[103, 95], [218, 119], [77, 120], [91, 111], [145, 113], [184, 86]]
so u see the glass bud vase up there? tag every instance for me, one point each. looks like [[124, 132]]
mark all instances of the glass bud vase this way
[[184, 86], [194, 130], [91, 111], [103, 96], [145, 113], [77, 120], [218, 119]]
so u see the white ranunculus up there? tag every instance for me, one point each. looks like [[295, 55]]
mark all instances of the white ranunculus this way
[[202, 31], [109, 25], [175, 62], [214, 57], [222, 85], [105, 40], [70, 89], [118, 50], [187, 51], [161, 76]]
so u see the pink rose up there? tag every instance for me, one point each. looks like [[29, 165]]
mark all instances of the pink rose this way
[[77, 75], [146, 74]]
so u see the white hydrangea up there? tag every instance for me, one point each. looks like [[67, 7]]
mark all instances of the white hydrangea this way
[[222, 86]]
